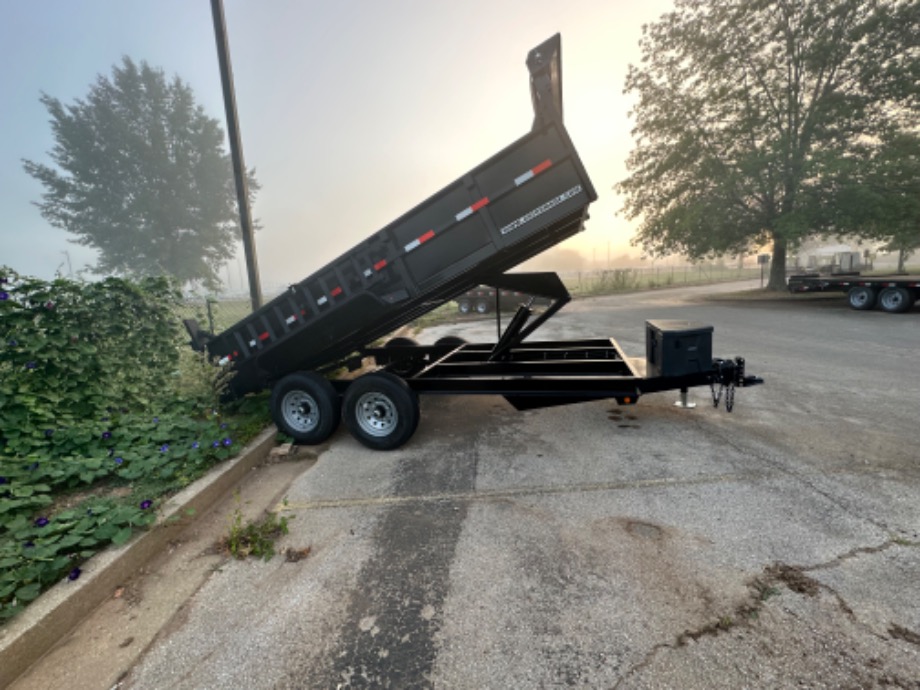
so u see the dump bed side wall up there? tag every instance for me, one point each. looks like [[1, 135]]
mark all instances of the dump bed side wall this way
[[526, 198]]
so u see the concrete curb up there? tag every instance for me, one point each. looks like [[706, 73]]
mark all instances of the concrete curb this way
[[56, 612]]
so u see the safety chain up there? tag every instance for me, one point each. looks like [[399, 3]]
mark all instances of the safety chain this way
[[729, 390]]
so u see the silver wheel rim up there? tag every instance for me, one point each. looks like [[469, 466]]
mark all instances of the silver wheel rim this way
[[860, 298], [300, 411], [376, 414], [892, 300]]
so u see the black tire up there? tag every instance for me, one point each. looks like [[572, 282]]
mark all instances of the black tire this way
[[464, 306], [408, 365], [400, 341], [381, 411], [450, 341], [305, 406], [862, 298], [482, 306], [895, 300]]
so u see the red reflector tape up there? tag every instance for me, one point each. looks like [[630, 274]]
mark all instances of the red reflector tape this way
[[470, 210], [380, 264], [336, 292], [533, 172], [264, 336], [414, 244], [543, 166]]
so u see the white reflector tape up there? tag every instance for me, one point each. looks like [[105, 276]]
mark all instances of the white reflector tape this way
[[252, 343], [521, 179], [223, 361], [469, 210], [533, 172], [368, 273], [289, 320], [414, 244], [322, 300]]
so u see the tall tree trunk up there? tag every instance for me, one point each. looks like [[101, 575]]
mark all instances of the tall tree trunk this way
[[902, 260], [778, 265]]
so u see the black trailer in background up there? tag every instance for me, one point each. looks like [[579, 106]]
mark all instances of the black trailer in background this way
[[526, 198], [894, 294]]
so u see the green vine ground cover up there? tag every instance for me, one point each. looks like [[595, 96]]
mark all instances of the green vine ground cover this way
[[104, 412]]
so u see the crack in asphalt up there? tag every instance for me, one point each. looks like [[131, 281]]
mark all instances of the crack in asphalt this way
[[487, 495], [761, 588]]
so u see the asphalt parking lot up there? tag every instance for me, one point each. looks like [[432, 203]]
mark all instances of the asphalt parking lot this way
[[599, 546]]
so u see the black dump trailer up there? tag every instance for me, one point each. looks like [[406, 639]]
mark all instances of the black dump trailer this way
[[894, 294], [526, 198]]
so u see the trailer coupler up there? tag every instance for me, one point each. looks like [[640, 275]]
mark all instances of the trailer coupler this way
[[729, 374]]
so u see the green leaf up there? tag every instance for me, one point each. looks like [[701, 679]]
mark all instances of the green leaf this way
[[122, 536], [29, 592]]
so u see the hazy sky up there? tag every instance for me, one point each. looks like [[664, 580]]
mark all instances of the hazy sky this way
[[351, 112]]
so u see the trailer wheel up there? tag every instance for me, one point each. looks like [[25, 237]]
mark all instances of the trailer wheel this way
[[482, 306], [381, 411], [450, 341], [862, 298], [410, 364], [305, 406], [464, 306], [895, 300]]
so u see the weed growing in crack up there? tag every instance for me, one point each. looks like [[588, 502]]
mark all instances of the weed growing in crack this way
[[254, 538]]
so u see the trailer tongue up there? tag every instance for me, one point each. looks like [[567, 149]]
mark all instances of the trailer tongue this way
[[528, 197]]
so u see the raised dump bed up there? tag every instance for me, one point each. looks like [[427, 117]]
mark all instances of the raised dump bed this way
[[526, 198]]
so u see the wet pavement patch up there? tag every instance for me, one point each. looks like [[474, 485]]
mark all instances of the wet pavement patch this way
[[388, 638]]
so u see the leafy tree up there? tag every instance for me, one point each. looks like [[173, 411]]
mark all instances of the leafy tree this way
[[878, 192], [737, 101], [141, 175]]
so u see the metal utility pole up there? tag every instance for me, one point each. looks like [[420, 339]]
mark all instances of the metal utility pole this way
[[236, 152]]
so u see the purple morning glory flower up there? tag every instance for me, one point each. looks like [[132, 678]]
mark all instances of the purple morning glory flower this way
[[216, 444], [224, 425], [146, 504], [3, 480], [49, 432], [4, 296], [74, 574], [156, 420], [227, 442], [41, 522], [106, 435], [195, 444], [30, 365], [12, 343], [164, 448], [119, 460], [29, 545]]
